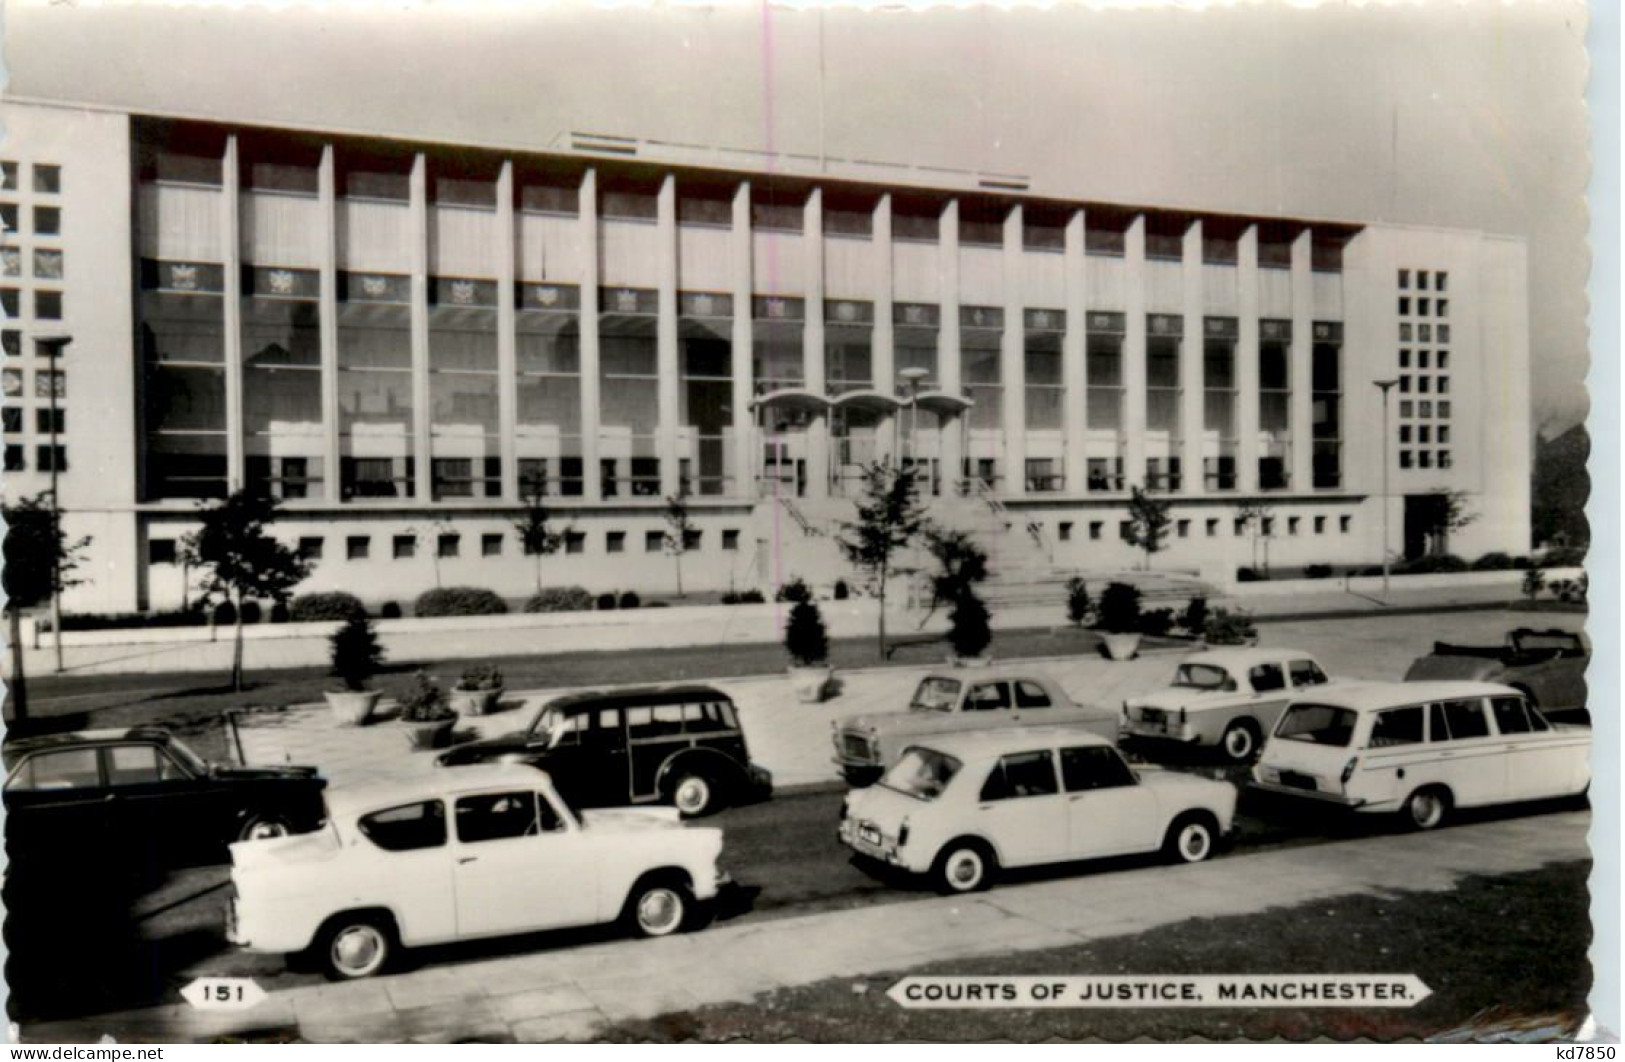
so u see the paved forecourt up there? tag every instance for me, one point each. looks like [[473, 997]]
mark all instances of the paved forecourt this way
[[571, 994]]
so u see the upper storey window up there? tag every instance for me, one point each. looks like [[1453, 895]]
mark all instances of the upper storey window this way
[[981, 222], [1105, 231], [916, 218], [1165, 236], [1221, 240], [1043, 229], [1275, 239], [848, 215], [778, 209], [1326, 250]]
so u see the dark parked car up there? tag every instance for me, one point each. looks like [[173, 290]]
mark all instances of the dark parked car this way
[[142, 793], [1548, 667], [679, 745]]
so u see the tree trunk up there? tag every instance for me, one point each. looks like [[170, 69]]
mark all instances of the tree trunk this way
[[679, 575], [237, 649], [19, 682], [538, 571], [882, 600]]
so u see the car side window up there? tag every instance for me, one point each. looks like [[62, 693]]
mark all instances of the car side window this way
[[1466, 719], [497, 816], [1093, 767], [667, 720], [1438, 729], [569, 732], [725, 713], [1266, 677], [1305, 673], [988, 696], [406, 828], [64, 769], [1031, 695], [1397, 726], [1022, 774], [609, 721], [1510, 717], [138, 765]]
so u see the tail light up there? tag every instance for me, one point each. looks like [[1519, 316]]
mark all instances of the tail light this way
[[1125, 709], [846, 806], [902, 834], [1182, 717], [1348, 770]]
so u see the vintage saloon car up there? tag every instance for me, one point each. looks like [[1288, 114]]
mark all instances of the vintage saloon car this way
[[680, 745], [1421, 749], [961, 806], [947, 701], [143, 791], [1224, 698], [484, 851], [1548, 667]]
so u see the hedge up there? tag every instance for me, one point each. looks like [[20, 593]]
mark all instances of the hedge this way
[[459, 601], [559, 599], [332, 605]]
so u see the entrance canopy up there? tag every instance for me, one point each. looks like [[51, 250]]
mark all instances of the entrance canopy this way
[[943, 403]]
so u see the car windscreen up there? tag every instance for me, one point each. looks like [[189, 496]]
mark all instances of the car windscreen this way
[[921, 773], [1317, 724], [1547, 642], [187, 758], [1203, 677], [936, 695]]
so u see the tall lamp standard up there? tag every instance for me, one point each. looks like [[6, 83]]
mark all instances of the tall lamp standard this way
[[1385, 386], [53, 346], [914, 375]]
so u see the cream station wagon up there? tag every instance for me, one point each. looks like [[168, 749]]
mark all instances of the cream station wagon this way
[[1422, 749], [476, 852], [1229, 698], [961, 806]]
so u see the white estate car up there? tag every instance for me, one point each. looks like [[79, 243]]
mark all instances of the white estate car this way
[[476, 852], [1422, 748], [1229, 698], [960, 806]]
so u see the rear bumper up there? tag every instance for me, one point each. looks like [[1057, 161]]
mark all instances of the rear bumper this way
[[884, 849], [1182, 733], [1333, 799], [858, 773]]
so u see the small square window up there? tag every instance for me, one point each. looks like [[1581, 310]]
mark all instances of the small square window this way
[[44, 422], [11, 302], [1444, 458], [1424, 458], [1444, 433], [47, 221], [47, 179], [14, 459], [1444, 333], [43, 458], [1320, 525], [1096, 529], [1183, 528], [47, 264], [1444, 410], [1421, 359], [1404, 459], [490, 545], [654, 541], [12, 341], [48, 383], [1444, 359], [311, 548], [1423, 384], [1404, 385], [1441, 308], [1422, 307], [1404, 358], [1212, 528], [448, 545], [1345, 524], [8, 217], [615, 542], [1267, 526], [1424, 433], [48, 305], [1444, 385], [1406, 409], [357, 547], [1404, 433], [1405, 332], [1404, 279], [730, 540], [8, 176], [1442, 282], [691, 540], [1421, 280], [1404, 307], [13, 419], [1424, 409], [1240, 528], [1424, 333], [1292, 523], [1125, 530], [575, 542], [405, 547], [11, 262], [161, 551]]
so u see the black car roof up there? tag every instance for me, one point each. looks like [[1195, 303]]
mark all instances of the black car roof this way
[[636, 698], [80, 738]]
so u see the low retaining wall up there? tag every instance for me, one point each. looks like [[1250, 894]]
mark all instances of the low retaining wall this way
[[1371, 585]]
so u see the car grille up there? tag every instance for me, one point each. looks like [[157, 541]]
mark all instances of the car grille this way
[[855, 747], [1153, 715], [1298, 781]]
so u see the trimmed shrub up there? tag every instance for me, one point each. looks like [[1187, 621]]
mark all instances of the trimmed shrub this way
[[425, 702], [969, 631], [1563, 557], [606, 602], [630, 599], [459, 601], [1193, 620], [1447, 562], [106, 621], [1157, 621], [390, 611], [1494, 562], [805, 638], [842, 591], [743, 597], [279, 613], [1318, 571], [1522, 564], [1251, 575], [795, 590], [480, 677], [1534, 581], [251, 612], [1119, 611], [658, 604], [332, 605], [1077, 600], [225, 614], [355, 651], [1229, 628], [559, 599]]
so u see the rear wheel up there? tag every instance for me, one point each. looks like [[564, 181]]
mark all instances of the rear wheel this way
[[1191, 839], [264, 827], [694, 794], [658, 907], [964, 866], [1427, 808], [356, 946], [1241, 740]]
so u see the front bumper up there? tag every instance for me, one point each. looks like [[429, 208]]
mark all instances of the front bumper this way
[[1164, 730], [759, 782]]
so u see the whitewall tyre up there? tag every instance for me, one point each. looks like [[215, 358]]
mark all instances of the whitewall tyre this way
[[964, 868], [1191, 840], [694, 795], [265, 827], [1427, 808], [1240, 741], [659, 910], [355, 948]]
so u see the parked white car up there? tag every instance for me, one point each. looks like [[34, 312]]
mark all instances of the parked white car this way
[[1229, 698], [961, 806], [1422, 749], [476, 852]]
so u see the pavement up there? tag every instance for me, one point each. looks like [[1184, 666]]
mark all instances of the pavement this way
[[509, 636], [571, 995], [792, 739]]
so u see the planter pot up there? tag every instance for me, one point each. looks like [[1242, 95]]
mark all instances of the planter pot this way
[[810, 683], [352, 707], [1121, 646], [430, 735], [475, 702], [985, 660]]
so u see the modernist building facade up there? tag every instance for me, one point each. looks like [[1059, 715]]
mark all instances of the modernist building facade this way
[[403, 342]]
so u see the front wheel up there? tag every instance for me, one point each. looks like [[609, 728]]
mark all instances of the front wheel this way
[[1190, 839], [658, 908], [964, 866], [265, 827], [355, 947], [1427, 808], [1240, 741]]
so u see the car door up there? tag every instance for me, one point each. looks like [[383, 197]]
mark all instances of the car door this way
[[1471, 760], [1270, 694], [412, 872], [1538, 759], [519, 865], [1108, 811], [55, 798], [588, 765], [1022, 810], [1302, 674], [158, 804], [988, 697]]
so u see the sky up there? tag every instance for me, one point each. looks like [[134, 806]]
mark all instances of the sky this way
[[1463, 115]]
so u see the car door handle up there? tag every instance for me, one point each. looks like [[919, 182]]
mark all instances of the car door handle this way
[[467, 859]]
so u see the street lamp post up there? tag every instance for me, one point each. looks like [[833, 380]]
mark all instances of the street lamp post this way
[[1385, 386], [53, 346]]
